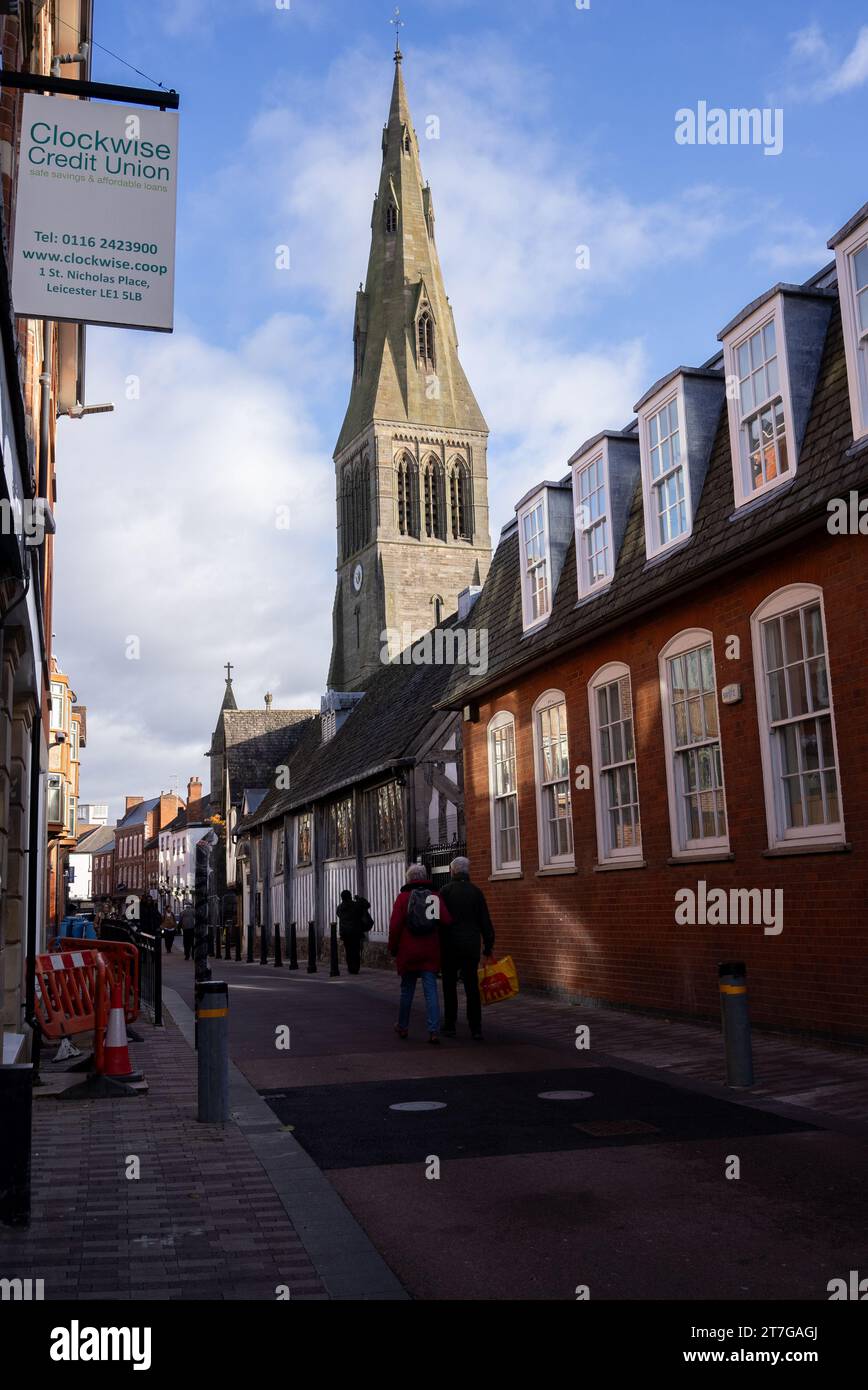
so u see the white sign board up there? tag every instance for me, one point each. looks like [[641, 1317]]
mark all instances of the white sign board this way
[[95, 217]]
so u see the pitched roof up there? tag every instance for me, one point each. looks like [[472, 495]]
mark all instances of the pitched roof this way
[[829, 465], [137, 814], [100, 837], [383, 731], [257, 741]]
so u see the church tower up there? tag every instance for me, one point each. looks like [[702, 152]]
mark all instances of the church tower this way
[[410, 462]]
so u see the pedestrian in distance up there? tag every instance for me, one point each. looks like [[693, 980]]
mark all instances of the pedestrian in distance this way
[[470, 931], [170, 927], [188, 930], [417, 917], [354, 920]]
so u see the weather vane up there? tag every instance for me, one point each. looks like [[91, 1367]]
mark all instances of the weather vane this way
[[399, 25]]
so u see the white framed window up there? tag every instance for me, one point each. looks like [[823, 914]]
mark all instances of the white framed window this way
[[760, 414], [58, 692], [552, 757], [665, 479], [594, 557], [796, 719], [536, 594], [694, 757], [851, 256], [503, 795], [613, 750]]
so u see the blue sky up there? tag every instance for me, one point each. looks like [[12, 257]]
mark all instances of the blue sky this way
[[556, 129]]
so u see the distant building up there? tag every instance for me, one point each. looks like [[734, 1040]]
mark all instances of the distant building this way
[[68, 728], [177, 841], [81, 863], [93, 813]]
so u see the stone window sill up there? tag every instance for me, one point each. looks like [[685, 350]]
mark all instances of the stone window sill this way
[[614, 865], [552, 870], [791, 851], [505, 873], [722, 858]]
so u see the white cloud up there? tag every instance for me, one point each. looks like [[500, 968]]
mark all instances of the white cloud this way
[[816, 72], [168, 533]]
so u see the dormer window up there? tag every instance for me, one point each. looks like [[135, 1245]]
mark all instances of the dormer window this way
[[425, 339], [761, 434], [391, 219], [536, 591], [665, 476], [593, 528], [851, 255]]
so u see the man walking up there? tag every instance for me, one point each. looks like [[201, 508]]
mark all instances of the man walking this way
[[188, 930], [354, 920], [471, 930]]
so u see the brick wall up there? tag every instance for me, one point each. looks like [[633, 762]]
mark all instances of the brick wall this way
[[611, 936]]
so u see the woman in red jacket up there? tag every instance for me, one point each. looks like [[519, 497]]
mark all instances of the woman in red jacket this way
[[414, 940]]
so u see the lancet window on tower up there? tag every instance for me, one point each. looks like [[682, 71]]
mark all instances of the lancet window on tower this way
[[432, 476], [408, 492], [391, 219], [425, 339], [356, 507], [459, 500]]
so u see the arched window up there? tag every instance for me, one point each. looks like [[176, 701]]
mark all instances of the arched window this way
[[437, 605], [691, 732], [613, 749], [459, 500], [431, 480], [364, 503], [391, 219], [796, 719], [407, 493], [407, 142], [554, 805], [503, 795], [425, 339]]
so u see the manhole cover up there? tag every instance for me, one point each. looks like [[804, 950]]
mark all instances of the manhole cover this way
[[419, 1105], [612, 1129], [565, 1095]]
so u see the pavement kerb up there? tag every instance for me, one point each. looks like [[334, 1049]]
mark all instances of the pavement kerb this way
[[346, 1260]]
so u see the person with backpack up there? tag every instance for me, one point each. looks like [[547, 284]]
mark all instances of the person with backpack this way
[[460, 946], [417, 917], [354, 920]]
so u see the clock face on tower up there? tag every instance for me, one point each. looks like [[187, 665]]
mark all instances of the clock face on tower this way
[[358, 576]]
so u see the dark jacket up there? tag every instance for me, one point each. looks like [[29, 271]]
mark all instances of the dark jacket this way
[[471, 924], [415, 952], [353, 917]]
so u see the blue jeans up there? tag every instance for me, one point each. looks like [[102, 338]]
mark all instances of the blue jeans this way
[[432, 1000]]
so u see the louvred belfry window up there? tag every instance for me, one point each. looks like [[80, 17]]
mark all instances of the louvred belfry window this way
[[431, 484], [391, 219], [459, 501], [407, 493]]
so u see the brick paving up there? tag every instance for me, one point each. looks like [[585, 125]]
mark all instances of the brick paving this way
[[203, 1221]]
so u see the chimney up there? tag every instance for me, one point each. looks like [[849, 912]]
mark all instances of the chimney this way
[[131, 802], [194, 790], [268, 699]]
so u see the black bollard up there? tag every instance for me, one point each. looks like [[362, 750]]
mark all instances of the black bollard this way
[[736, 1023], [311, 948], [250, 935], [293, 947], [263, 946], [334, 966], [218, 943], [278, 950], [237, 931], [212, 1027]]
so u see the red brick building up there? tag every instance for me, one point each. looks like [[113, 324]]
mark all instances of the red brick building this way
[[675, 695], [136, 850]]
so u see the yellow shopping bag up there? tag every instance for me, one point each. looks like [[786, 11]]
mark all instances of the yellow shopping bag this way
[[498, 980]]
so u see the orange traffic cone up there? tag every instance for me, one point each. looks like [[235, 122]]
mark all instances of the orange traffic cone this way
[[117, 1055]]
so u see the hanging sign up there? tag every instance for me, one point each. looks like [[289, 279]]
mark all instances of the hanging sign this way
[[95, 213]]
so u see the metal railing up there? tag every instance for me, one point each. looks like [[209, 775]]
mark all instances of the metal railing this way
[[437, 858], [151, 972]]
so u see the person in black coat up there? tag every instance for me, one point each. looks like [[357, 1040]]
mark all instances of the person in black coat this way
[[460, 943], [354, 919]]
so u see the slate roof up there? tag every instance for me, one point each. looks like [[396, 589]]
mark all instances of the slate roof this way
[[383, 731], [829, 465], [136, 815], [257, 741], [101, 837]]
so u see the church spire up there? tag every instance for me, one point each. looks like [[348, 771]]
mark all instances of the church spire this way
[[406, 365]]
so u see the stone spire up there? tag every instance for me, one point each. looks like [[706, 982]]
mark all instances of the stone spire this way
[[391, 380], [228, 694]]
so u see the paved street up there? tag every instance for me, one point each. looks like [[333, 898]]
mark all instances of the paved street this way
[[620, 1186]]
